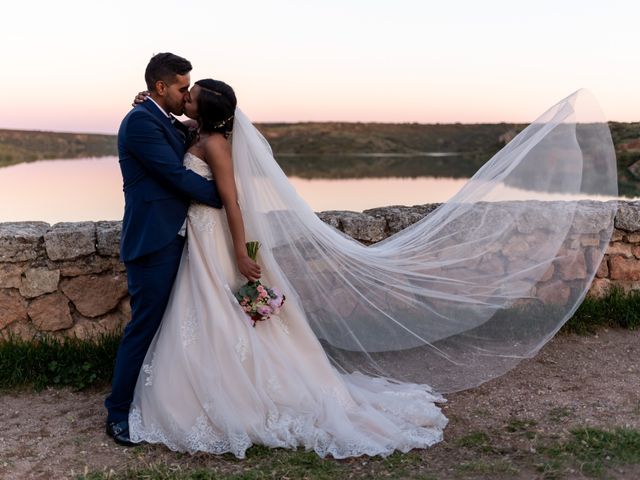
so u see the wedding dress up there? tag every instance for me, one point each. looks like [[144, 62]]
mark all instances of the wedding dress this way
[[369, 334], [212, 382]]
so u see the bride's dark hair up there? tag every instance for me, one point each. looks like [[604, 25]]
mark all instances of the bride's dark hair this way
[[216, 106]]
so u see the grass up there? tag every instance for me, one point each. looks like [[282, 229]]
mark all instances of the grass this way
[[400, 464], [616, 309], [558, 414], [522, 427], [52, 361], [483, 467], [280, 464], [593, 451], [477, 441]]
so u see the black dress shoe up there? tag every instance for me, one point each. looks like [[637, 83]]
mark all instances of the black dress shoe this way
[[119, 431]]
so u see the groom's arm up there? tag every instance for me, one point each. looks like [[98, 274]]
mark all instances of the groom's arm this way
[[147, 143]]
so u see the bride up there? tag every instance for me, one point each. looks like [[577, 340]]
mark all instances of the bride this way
[[352, 362]]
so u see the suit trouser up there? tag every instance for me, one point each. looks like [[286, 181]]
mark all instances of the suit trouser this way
[[150, 279]]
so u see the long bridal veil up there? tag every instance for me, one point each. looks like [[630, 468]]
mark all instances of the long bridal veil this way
[[474, 287]]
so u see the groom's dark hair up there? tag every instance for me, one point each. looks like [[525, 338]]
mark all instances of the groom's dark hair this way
[[165, 67]]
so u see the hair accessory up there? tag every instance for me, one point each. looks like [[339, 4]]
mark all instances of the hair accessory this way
[[222, 123]]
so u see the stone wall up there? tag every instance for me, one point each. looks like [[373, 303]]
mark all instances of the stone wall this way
[[66, 279]]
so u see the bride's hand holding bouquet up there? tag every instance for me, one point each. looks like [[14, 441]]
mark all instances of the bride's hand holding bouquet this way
[[247, 265], [258, 301]]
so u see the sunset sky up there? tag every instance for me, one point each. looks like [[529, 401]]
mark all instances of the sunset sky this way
[[75, 65]]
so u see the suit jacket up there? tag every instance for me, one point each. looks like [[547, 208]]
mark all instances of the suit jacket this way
[[157, 187]]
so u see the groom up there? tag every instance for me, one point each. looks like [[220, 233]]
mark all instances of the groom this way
[[157, 192]]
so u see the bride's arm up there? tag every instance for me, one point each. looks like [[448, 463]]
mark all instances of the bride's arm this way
[[218, 156]]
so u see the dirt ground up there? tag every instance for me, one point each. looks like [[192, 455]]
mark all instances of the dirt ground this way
[[494, 430]]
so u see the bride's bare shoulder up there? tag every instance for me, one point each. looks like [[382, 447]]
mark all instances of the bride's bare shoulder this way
[[218, 148]]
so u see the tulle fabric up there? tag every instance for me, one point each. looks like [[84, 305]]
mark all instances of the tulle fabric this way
[[479, 284], [212, 382]]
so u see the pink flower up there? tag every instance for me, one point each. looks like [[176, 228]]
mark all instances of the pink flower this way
[[275, 304], [259, 303], [264, 311]]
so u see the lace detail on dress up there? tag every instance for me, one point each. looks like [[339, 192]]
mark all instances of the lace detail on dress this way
[[273, 386], [188, 327], [202, 217], [201, 437], [153, 435], [406, 426], [197, 165], [147, 368], [241, 349]]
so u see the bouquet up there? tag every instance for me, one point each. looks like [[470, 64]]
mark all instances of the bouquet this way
[[258, 301]]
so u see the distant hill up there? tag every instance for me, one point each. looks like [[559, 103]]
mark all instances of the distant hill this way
[[17, 146], [345, 150], [338, 150], [323, 138], [626, 138]]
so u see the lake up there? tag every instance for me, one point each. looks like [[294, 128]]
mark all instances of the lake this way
[[91, 189]]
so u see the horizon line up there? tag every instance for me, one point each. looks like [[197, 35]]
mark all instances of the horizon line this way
[[272, 122]]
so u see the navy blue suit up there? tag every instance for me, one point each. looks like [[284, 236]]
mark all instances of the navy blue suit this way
[[157, 191]]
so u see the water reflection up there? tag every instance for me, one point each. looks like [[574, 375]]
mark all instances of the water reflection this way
[[91, 189], [62, 190]]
